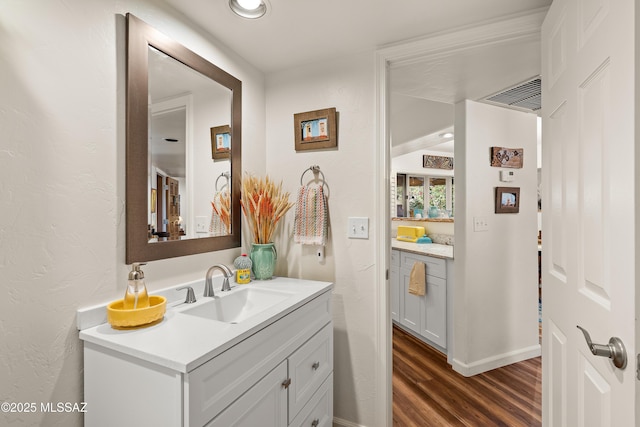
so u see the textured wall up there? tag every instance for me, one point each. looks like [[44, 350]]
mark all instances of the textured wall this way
[[349, 170], [62, 186]]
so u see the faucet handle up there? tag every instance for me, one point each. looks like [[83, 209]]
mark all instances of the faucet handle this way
[[191, 296]]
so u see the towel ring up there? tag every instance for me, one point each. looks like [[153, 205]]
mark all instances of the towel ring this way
[[223, 174], [315, 169]]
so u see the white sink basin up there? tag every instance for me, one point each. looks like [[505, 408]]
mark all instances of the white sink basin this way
[[237, 306]]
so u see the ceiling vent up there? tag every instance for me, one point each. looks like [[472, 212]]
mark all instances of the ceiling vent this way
[[524, 97]]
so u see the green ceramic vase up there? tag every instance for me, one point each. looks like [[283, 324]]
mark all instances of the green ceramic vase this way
[[263, 259]]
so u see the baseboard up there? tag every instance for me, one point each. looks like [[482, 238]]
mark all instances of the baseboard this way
[[494, 362], [344, 423]]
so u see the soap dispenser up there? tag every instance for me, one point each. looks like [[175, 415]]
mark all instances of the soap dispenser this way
[[136, 295]]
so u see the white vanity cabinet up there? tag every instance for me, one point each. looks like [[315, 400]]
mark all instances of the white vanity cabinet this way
[[424, 315], [278, 375], [283, 393]]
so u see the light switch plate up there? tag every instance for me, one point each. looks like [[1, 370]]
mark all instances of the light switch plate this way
[[480, 223], [358, 228], [201, 224]]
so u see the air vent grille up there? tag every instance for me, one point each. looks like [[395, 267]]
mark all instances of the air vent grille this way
[[525, 96]]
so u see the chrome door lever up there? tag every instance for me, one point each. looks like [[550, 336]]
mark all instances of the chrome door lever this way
[[614, 350]]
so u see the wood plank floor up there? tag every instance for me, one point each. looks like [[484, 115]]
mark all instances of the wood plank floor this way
[[427, 392]]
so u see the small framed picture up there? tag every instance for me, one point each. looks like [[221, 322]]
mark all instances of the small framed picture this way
[[315, 129], [507, 200], [221, 142], [502, 157]]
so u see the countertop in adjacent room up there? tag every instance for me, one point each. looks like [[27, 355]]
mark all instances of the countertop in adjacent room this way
[[429, 249]]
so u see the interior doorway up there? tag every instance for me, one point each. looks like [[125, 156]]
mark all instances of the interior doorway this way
[[481, 41]]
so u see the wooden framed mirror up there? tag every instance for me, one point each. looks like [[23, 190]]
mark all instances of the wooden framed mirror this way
[[174, 99]]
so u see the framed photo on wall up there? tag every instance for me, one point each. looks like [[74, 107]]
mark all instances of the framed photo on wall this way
[[221, 142], [507, 200], [315, 129], [502, 157]]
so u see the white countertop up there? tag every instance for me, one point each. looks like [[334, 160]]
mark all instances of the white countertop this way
[[429, 249], [182, 342]]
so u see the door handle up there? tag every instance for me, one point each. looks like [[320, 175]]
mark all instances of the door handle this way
[[614, 350]]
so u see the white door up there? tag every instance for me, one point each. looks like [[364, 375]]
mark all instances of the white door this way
[[588, 210]]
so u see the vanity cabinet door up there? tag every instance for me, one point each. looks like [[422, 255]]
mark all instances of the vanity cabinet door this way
[[412, 305], [264, 404], [434, 318]]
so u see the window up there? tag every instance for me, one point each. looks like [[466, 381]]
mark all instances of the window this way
[[441, 192], [415, 194]]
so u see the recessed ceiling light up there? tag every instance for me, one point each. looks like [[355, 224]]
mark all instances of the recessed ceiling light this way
[[446, 135], [251, 9]]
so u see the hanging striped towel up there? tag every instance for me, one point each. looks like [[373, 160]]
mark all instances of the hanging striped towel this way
[[219, 225], [311, 216]]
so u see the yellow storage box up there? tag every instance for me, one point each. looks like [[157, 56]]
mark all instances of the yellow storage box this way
[[410, 233]]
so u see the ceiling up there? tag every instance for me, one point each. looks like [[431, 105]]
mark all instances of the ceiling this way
[[299, 32], [296, 32]]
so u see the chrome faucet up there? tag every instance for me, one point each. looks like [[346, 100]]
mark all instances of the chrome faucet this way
[[208, 284]]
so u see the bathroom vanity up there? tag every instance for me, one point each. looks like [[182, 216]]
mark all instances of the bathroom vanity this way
[[424, 316], [270, 363]]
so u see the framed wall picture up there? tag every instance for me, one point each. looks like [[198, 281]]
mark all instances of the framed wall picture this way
[[507, 200], [315, 130], [221, 142], [437, 162], [502, 157]]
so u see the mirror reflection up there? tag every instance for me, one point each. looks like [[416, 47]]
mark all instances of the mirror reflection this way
[[184, 125], [189, 171]]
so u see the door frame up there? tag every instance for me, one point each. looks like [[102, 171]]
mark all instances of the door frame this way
[[518, 28]]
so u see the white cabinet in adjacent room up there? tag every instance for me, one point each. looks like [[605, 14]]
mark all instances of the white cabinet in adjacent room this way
[[426, 315]]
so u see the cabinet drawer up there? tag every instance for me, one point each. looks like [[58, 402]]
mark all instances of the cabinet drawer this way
[[309, 366], [395, 258], [436, 267], [319, 411]]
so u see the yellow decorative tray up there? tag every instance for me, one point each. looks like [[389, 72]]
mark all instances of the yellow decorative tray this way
[[119, 318]]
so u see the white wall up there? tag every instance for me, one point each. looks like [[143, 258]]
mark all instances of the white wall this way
[[496, 291], [347, 85], [62, 183]]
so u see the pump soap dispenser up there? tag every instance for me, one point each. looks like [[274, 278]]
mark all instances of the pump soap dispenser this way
[[136, 295]]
